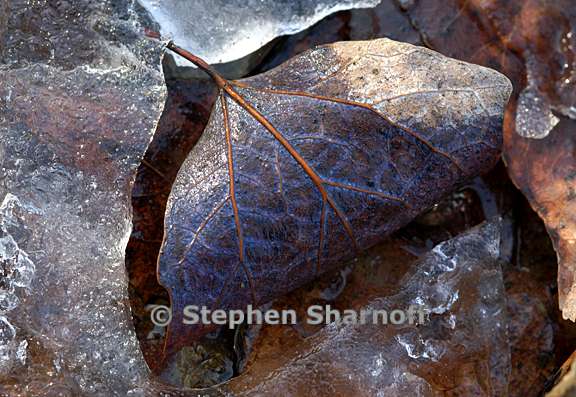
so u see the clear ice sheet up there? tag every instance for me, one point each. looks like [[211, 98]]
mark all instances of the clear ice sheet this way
[[221, 31], [461, 350], [80, 94]]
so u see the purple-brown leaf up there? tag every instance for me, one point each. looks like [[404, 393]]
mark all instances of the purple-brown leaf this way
[[303, 166]]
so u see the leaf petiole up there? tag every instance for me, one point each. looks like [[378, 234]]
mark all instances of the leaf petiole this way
[[202, 64]]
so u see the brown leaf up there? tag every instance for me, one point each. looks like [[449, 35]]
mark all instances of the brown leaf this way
[[532, 42], [547, 178], [185, 115], [301, 167]]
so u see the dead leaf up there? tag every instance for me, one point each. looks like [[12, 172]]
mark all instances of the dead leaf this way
[[532, 42], [185, 115], [301, 167]]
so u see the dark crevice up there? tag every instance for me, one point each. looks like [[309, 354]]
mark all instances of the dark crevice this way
[[187, 109]]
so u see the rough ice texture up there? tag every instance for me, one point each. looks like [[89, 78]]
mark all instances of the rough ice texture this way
[[224, 30], [461, 350], [535, 116], [80, 95]]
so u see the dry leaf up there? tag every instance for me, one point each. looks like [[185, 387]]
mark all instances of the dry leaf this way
[[301, 167]]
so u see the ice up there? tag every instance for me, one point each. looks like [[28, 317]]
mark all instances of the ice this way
[[7, 335], [462, 347], [80, 95], [416, 347], [223, 30], [17, 271], [543, 96], [534, 117]]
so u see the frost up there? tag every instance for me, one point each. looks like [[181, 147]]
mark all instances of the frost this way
[[223, 30]]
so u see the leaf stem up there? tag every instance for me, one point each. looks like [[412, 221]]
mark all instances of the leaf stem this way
[[202, 64]]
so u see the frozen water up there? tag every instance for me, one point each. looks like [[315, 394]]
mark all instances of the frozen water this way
[[223, 30], [7, 335], [17, 271], [534, 117], [80, 96], [416, 347], [462, 347]]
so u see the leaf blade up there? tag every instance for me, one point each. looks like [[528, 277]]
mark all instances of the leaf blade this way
[[301, 204]]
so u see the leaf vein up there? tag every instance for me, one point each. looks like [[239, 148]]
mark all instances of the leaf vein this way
[[362, 105]]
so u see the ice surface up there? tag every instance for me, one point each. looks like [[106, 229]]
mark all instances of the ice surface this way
[[546, 92], [80, 95], [461, 350], [223, 30], [534, 117]]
